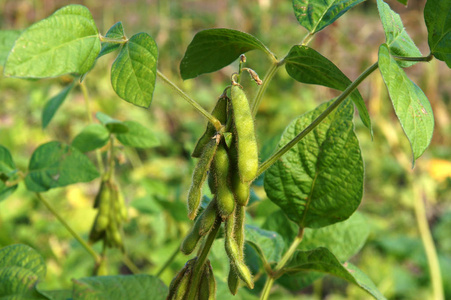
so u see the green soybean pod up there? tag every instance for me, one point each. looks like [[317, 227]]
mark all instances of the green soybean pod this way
[[235, 255], [233, 281], [211, 283], [207, 286], [224, 196], [207, 218], [183, 287], [240, 190], [220, 113], [245, 135], [175, 282], [199, 176]]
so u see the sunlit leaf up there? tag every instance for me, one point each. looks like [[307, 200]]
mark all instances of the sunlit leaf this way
[[134, 71], [115, 32], [268, 244], [7, 171], [113, 125], [397, 38], [314, 15], [7, 39], [65, 42], [92, 137], [411, 105], [137, 136]]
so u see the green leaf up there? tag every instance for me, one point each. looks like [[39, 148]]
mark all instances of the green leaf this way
[[314, 15], [137, 287], [115, 32], [268, 244], [20, 269], [344, 239], [322, 260], [411, 105], [397, 38], [57, 294], [319, 181], [437, 15], [113, 125], [92, 137], [55, 164], [213, 49], [134, 71], [306, 65], [23, 256], [7, 171], [402, 2], [65, 42], [137, 136], [53, 104], [7, 39]]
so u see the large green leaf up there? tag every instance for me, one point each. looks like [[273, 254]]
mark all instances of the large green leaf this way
[[55, 164], [397, 38], [411, 105], [20, 269], [53, 104], [314, 15], [136, 287], [92, 137], [322, 260], [213, 49], [268, 244], [137, 136], [7, 171], [319, 181], [134, 71], [306, 65], [115, 32], [7, 39], [65, 42], [437, 15]]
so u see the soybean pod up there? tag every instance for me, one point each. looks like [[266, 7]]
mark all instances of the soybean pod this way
[[199, 176], [224, 196], [220, 113], [240, 189], [245, 135]]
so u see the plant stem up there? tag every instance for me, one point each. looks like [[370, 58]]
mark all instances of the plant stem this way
[[270, 161], [428, 243], [422, 58], [168, 262], [130, 264], [201, 258], [84, 90], [261, 91], [72, 232], [114, 41], [196, 105], [276, 273], [307, 39]]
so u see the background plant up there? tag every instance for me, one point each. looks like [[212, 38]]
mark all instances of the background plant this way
[[295, 53]]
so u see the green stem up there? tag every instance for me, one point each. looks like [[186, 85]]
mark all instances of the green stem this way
[[111, 162], [429, 247], [276, 273], [168, 262], [307, 39], [72, 232], [196, 105], [84, 90], [422, 58], [261, 91], [113, 41], [201, 258], [270, 161], [130, 264]]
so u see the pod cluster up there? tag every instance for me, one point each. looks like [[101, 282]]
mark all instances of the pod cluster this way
[[111, 214], [230, 168], [181, 283]]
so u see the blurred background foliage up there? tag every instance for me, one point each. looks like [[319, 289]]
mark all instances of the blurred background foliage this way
[[155, 181]]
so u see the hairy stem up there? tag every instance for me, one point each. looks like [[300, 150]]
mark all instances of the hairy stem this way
[[71, 231], [196, 105], [422, 58], [428, 243], [270, 161], [276, 273], [201, 259]]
